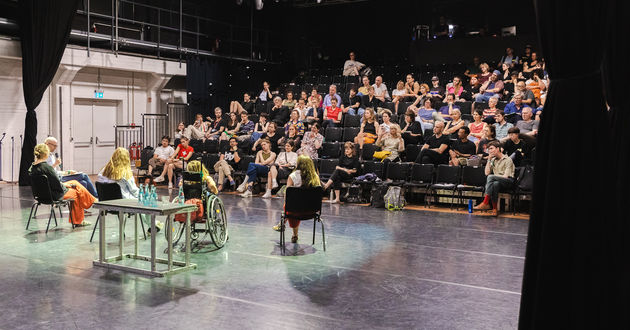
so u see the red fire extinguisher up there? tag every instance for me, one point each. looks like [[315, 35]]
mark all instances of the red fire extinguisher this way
[[138, 150], [132, 151]]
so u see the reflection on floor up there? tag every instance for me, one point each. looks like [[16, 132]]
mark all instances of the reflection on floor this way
[[382, 269]]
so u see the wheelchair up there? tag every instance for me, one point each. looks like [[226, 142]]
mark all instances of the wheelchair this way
[[214, 220]]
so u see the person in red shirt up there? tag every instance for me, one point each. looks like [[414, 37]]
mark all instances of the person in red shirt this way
[[183, 151], [332, 114]]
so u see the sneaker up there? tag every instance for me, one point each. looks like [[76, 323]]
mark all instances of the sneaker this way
[[170, 185], [159, 179], [232, 183], [277, 227], [294, 239], [274, 184], [247, 193], [267, 194], [159, 225], [243, 185], [83, 224]]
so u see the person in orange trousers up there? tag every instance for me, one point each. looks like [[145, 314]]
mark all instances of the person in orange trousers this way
[[68, 190]]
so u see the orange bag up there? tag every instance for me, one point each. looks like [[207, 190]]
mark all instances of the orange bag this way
[[195, 216]]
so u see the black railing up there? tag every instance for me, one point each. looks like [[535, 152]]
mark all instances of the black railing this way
[[155, 127]]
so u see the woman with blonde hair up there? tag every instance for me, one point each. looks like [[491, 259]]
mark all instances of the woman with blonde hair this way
[[393, 142], [304, 176], [68, 190], [197, 167]]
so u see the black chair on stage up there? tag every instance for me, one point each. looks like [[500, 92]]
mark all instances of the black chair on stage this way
[[473, 179], [43, 195], [107, 192], [302, 204], [447, 178]]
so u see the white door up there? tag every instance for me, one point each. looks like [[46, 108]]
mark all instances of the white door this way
[[93, 134]]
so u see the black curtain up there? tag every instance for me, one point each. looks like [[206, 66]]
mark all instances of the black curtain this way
[[44, 31], [207, 85], [569, 279]]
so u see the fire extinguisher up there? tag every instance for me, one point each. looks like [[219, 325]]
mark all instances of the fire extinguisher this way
[[138, 150], [132, 151]]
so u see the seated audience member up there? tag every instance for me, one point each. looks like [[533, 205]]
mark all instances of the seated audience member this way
[[316, 99], [292, 136], [179, 132], [437, 91], [456, 88], [528, 125], [387, 123], [232, 126], [412, 88], [294, 120], [398, 94], [427, 116], [510, 59], [505, 73], [412, 132], [198, 130], [527, 96], [332, 115], [352, 67], [532, 65], [312, 113], [284, 165], [261, 127], [332, 94], [515, 147], [289, 102], [363, 90], [196, 166], [435, 148], [303, 96], [536, 85], [246, 105], [538, 111], [344, 172], [392, 141], [527, 55], [447, 110], [485, 73], [304, 176], [489, 135], [184, 151], [264, 158], [354, 104], [452, 126], [477, 126], [473, 69], [246, 128], [491, 88], [68, 175], [473, 90], [68, 190], [302, 109], [370, 100], [369, 129], [514, 109], [311, 142], [423, 95], [265, 95], [380, 90], [228, 159], [279, 114], [500, 172], [462, 148], [490, 111], [272, 136], [217, 125], [501, 125], [160, 157], [509, 85]]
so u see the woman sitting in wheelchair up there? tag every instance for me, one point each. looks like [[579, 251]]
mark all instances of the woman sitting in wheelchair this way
[[304, 176], [195, 166], [68, 190]]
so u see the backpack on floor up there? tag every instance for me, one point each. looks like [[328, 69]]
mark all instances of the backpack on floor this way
[[378, 191], [394, 199]]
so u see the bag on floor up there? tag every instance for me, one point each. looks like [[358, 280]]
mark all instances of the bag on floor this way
[[195, 216], [394, 199], [378, 192]]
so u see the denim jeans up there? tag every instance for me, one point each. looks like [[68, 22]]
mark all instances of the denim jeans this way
[[485, 97], [84, 180], [256, 170], [354, 112]]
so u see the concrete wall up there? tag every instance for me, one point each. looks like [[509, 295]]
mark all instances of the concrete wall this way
[[135, 83]]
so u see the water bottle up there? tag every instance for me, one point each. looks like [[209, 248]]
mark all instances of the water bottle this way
[[153, 196], [181, 195], [141, 194], [470, 206]]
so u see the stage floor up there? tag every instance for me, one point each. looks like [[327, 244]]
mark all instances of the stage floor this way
[[407, 269]]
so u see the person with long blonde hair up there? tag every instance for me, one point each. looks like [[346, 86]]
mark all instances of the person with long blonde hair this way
[[304, 176], [68, 190]]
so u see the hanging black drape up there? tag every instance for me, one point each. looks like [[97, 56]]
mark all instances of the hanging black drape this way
[[44, 31], [570, 257], [206, 85]]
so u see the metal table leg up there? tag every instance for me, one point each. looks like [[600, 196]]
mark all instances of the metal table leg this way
[[153, 234], [169, 227], [121, 233], [188, 239], [101, 236], [135, 235]]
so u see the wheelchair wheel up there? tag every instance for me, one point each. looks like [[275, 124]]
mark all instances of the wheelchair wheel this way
[[216, 222]]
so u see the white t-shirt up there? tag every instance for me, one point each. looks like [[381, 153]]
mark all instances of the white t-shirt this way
[[296, 177], [164, 153], [351, 68], [397, 92], [381, 91]]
